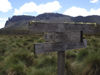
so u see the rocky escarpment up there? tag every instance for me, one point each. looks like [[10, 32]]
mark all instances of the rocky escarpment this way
[[18, 22], [21, 22]]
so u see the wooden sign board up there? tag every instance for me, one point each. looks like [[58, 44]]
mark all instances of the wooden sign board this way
[[68, 37], [52, 47], [60, 37], [38, 27]]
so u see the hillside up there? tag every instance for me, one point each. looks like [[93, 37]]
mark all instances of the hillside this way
[[21, 22], [18, 22], [92, 18], [17, 57]]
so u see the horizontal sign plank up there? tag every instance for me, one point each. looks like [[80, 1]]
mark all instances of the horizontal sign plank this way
[[69, 36], [51, 47], [37, 27]]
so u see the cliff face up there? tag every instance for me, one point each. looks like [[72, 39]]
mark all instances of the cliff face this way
[[18, 22], [21, 22], [53, 17], [93, 19]]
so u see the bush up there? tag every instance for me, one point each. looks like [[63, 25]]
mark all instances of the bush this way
[[16, 69], [50, 70], [70, 54], [92, 65], [46, 61], [82, 54], [26, 57], [69, 69]]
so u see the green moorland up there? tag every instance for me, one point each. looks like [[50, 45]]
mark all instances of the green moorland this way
[[17, 57]]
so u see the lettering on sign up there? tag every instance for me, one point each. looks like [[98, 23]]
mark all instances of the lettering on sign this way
[[38, 27], [52, 47]]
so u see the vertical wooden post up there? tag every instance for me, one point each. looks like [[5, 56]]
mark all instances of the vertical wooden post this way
[[81, 36], [61, 62], [35, 55]]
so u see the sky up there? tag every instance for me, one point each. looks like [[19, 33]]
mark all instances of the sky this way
[[9, 8]]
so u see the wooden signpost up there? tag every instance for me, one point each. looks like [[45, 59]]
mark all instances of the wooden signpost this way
[[60, 37]]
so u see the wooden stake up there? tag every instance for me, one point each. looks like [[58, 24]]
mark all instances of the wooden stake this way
[[61, 62]]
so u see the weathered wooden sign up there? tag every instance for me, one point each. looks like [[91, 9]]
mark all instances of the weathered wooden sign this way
[[52, 47], [61, 42], [38, 27], [68, 36], [60, 37]]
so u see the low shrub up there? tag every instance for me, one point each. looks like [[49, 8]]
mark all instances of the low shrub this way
[[92, 65], [70, 54], [69, 69], [46, 61], [82, 54]]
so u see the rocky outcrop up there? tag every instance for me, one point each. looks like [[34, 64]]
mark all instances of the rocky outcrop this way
[[18, 22], [21, 22]]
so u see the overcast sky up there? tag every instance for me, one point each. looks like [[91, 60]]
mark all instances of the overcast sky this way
[[8, 8]]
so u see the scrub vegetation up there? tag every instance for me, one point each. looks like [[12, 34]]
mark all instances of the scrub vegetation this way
[[17, 57]]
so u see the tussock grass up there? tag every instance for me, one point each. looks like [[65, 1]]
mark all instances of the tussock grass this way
[[17, 57]]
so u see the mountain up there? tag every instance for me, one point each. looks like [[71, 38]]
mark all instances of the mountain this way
[[92, 18], [18, 22], [53, 17], [21, 22]]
